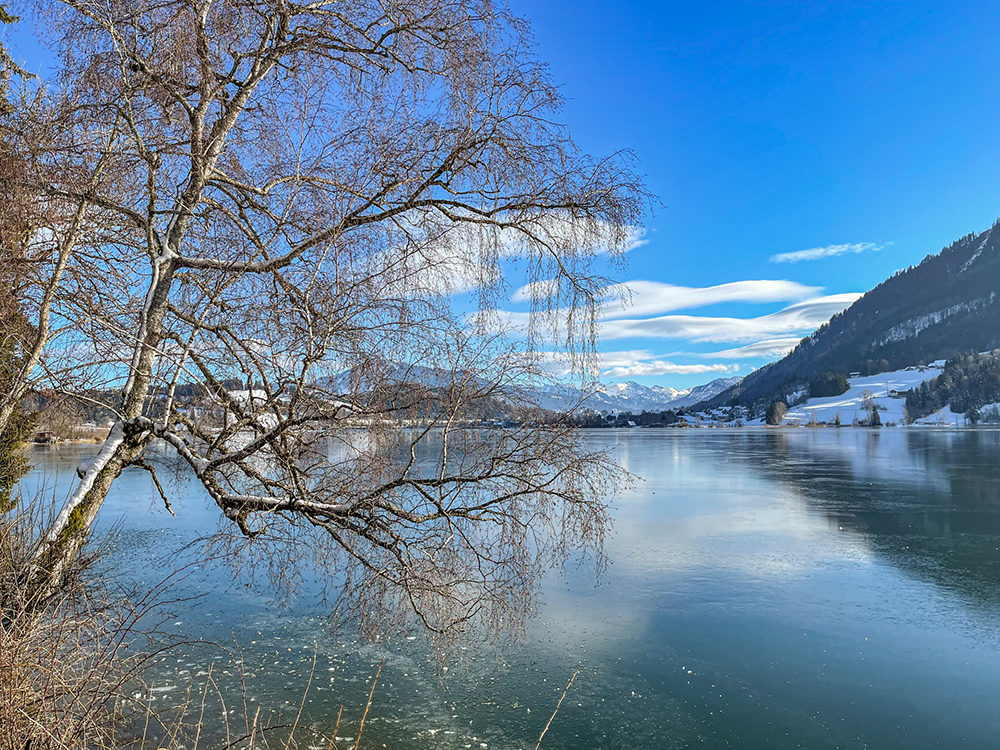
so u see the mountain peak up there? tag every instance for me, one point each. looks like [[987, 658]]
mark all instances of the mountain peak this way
[[633, 397]]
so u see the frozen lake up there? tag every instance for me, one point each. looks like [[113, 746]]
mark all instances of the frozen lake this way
[[795, 588]]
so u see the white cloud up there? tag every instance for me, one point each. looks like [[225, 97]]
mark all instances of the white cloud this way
[[558, 363], [633, 363], [665, 368], [830, 251], [636, 239], [536, 290], [438, 270], [626, 358], [655, 298], [427, 253], [804, 316], [769, 348]]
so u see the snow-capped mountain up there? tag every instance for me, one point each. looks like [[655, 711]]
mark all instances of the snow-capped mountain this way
[[616, 397], [631, 396], [704, 392], [634, 393]]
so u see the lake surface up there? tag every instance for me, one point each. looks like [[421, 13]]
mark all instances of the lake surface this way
[[796, 588]]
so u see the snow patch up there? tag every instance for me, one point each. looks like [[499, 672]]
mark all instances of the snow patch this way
[[942, 418], [912, 328], [979, 251], [887, 390]]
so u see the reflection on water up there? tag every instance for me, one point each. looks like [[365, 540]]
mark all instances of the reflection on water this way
[[770, 588]]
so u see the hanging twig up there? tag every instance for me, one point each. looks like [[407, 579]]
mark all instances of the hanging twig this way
[[159, 487], [361, 726], [549, 723], [336, 728]]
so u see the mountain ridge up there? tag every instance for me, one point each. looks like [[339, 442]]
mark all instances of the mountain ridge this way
[[943, 306], [619, 397], [630, 396]]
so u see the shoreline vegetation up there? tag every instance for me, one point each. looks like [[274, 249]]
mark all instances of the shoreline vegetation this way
[[680, 425], [77, 669], [921, 395], [961, 392]]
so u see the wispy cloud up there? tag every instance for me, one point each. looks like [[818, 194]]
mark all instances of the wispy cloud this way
[[428, 254], [665, 368], [626, 358], [560, 363], [769, 349], [637, 238], [655, 298], [830, 251], [804, 316], [632, 363]]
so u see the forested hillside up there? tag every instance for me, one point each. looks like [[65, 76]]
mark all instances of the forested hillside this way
[[945, 306], [968, 383]]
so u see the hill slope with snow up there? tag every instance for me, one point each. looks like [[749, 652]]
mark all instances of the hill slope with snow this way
[[886, 390], [946, 305]]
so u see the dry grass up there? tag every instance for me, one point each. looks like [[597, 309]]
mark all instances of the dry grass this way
[[65, 663], [72, 669]]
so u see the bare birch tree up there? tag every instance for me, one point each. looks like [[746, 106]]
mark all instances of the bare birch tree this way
[[259, 214]]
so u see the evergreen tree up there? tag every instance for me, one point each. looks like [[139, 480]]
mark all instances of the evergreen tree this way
[[828, 384], [776, 412], [14, 328], [968, 382], [13, 325], [13, 464]]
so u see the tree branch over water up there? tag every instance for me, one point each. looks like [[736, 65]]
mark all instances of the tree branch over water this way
[[272, 207]]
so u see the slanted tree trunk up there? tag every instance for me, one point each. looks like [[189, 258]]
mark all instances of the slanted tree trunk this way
[[290, 197]]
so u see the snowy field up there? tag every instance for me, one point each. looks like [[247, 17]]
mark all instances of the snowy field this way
[[887, 389]]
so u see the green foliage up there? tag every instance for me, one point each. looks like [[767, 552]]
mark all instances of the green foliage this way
[[969, 381], [828, 384], [19, 428], [13, 464], [874, 367]]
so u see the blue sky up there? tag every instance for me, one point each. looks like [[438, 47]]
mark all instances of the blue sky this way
[[866, 132], [769, 128]]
